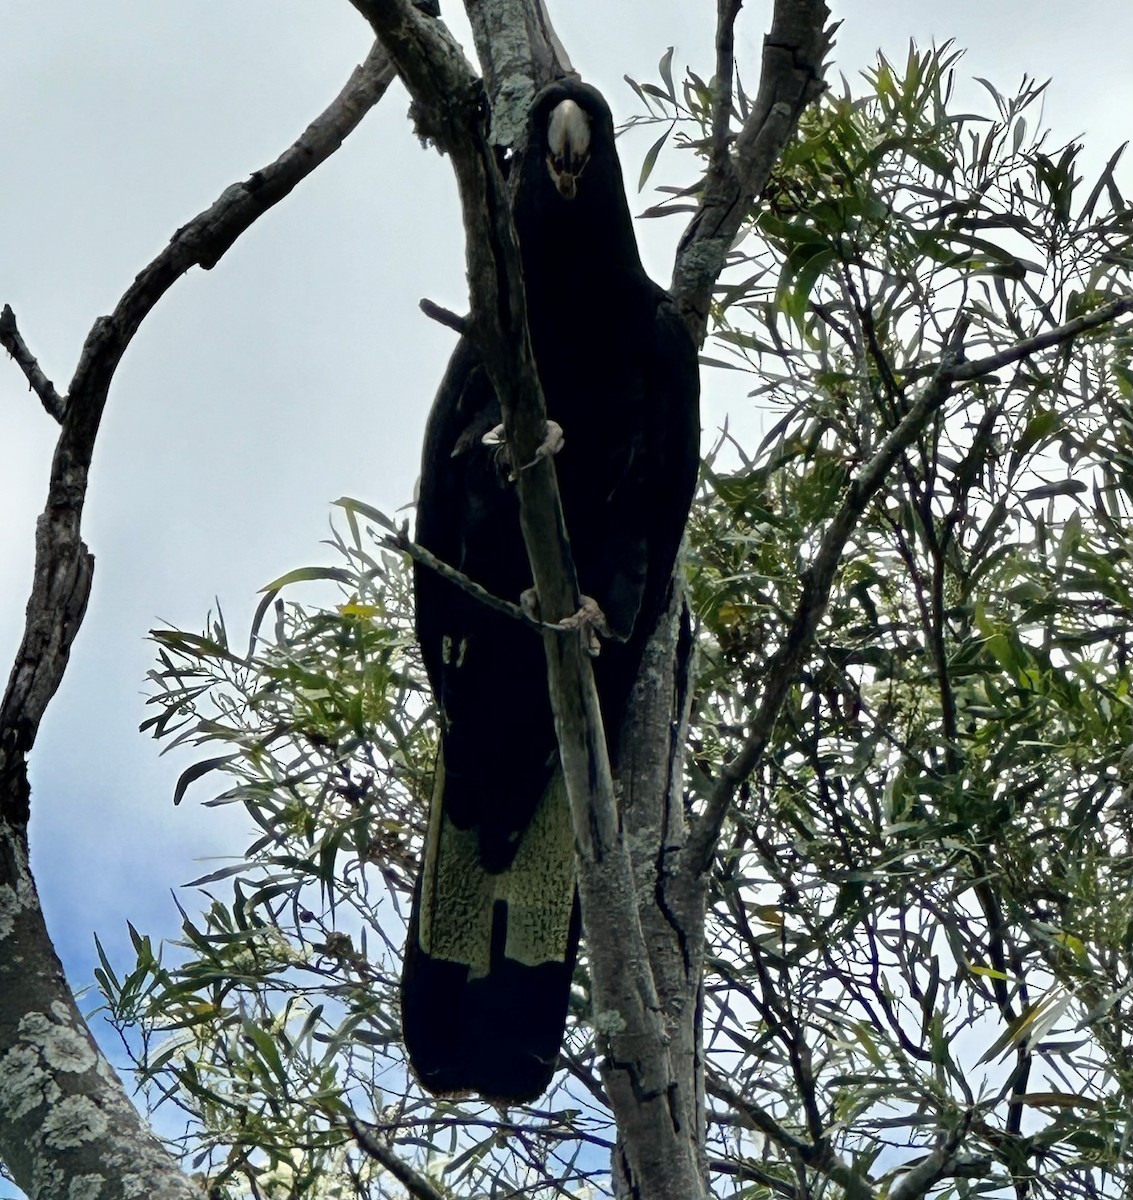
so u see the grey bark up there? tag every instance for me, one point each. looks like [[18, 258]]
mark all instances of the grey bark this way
[[519, 54], [643, 909], [794, 51], [671, 901], [67, 1126]]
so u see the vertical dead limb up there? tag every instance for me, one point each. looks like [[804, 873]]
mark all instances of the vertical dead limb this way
[[790, 79], [520, 54]]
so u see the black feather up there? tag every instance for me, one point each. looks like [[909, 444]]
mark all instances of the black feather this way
[[495, 924]]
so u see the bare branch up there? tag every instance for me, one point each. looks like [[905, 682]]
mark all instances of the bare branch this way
[[39, 1011], [726, 13], [399, 539], [791, 77], [449, 109], [444, 316], [402, 541], [14, 343], [63, 567], [417, 1185]]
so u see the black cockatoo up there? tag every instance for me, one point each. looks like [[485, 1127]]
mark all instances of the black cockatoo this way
[[494, 929]]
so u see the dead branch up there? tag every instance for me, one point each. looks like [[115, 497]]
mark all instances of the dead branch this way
[[790, 79], [107, 1139], [12, 341]]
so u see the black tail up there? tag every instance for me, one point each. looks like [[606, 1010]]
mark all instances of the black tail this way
[[490, 955]]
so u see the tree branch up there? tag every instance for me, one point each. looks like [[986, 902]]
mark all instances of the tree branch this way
[[63, 566], [399, 539], [443, 316], [421, 1187], [449, 109], [791, 77], [1104, 314], [520, 54], [14, 343], [65, 1119], [819, 1157], [945, 1162], [726, 13], [782, 671], [755, 1117]]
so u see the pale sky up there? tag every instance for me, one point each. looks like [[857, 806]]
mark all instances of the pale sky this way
[[299, 369]]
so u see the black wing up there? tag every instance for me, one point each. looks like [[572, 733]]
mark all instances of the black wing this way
[[626, 556], [494, 928]]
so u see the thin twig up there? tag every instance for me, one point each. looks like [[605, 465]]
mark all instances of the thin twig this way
[[444, 316], [402, 541], [819, 579], [14, 343]]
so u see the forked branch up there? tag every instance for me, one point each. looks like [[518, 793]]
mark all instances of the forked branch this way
[[106, 1139]]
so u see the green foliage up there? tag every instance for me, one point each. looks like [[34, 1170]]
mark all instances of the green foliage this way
[[921, 930], [922, 919], [276, 1019]]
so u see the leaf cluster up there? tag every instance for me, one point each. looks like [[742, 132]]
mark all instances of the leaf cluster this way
[[922, 924]]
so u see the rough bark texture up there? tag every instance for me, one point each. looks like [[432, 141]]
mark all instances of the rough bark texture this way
[[519, 55], [790, 79], [671, 900], [67, 1127]]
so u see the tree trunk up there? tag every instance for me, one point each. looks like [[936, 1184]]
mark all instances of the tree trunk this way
[[67, 1126]]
